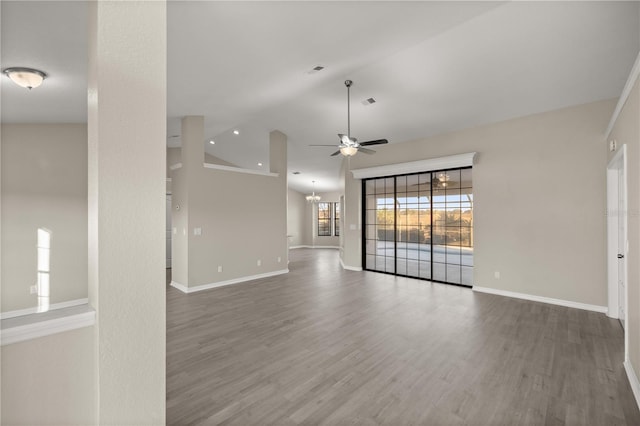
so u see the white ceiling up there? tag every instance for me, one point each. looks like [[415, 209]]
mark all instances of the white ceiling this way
[[433, 67]]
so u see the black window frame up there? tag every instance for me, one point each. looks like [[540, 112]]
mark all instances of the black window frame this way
[[390, 190]]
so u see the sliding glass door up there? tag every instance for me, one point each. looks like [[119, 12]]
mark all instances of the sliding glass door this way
[[379, 209], [420, 225]]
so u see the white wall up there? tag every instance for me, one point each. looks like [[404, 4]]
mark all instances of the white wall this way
[[44, 185], [627, 131], [539, 197]]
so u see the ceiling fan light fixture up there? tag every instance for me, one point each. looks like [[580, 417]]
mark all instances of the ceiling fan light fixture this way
[[25, 77], [348, 151]]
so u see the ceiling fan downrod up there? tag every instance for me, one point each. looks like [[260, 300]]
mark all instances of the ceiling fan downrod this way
[[348, 83]]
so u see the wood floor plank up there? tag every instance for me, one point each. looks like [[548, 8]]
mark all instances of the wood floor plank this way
[[326, 346]]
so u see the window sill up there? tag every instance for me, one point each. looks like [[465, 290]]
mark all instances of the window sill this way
[[33, 326]]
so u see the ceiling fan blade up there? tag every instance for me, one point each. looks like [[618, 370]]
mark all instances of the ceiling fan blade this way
[[334, 145], [376, 142], [366, 150], [335, 153]]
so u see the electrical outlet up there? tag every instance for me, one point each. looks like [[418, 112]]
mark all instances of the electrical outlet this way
[[259, 262], [220, 268], [33, 289]]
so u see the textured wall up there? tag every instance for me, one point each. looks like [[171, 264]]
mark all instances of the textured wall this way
[[127, 183]]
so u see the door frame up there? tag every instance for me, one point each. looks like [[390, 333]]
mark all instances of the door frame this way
[[614, 215]]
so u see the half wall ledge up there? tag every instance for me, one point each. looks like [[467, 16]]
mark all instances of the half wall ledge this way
[[33, 326]]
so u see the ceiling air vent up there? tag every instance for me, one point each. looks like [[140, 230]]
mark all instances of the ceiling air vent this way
[[368, 101], [296, 173], [315, 69]]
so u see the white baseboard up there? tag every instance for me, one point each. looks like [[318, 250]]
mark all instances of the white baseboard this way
[[350, 268], [183, 288], [633, 380], [549, 300], [34, 310], [314, 247]]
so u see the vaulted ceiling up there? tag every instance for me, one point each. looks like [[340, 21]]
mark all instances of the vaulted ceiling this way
[[432, 67]]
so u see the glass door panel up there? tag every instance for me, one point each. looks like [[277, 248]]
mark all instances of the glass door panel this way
[[421, 225]]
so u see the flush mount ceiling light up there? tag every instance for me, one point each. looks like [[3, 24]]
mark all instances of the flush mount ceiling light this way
[[25, 77], [313, 198]]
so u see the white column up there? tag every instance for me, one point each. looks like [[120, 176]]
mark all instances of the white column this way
[[127, 156]]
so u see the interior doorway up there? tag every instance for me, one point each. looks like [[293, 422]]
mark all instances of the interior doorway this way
[[617, 240]]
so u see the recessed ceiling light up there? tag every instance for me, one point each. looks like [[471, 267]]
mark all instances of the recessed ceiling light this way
[[236, 132], [212, 142], [260, 164]]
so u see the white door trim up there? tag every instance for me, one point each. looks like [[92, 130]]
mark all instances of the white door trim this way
[[614, 214]]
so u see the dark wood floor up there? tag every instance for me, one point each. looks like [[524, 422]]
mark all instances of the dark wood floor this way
[[324, 346]]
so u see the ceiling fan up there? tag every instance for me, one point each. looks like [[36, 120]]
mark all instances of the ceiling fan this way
[[350, 146]]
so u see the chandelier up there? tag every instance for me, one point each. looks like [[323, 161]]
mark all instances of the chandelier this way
[[313, 198]]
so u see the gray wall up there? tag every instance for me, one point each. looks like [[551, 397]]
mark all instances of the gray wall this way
[[297, 218], [627, 131], [242, 216], [44, 184], [539, 200], [50, 380]]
